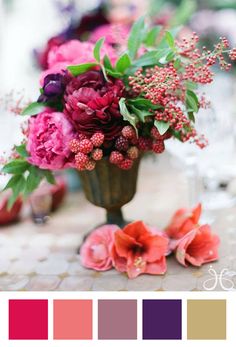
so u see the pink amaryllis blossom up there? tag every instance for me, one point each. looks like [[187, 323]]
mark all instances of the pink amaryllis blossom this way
[[198, 247], [183, 221], [138, 249], [49, 135], [96, 251], [74, 52]]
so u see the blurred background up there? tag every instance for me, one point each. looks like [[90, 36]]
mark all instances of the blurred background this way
[[28, 30]]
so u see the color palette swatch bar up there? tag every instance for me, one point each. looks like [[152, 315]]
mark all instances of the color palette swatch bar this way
[[117, 319]]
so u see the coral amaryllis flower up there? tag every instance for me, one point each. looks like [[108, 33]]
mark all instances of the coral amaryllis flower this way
[[198, 247], [138, 249], [183, 221]]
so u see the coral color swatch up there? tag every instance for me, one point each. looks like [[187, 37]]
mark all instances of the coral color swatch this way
[[162, 319], [117, 319], [72, 319], [28, 319], [206, 319]]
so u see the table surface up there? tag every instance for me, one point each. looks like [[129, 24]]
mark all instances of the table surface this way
[[45, 257]]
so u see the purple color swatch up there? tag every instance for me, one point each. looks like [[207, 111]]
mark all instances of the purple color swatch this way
[[162, 320], [117, 319]]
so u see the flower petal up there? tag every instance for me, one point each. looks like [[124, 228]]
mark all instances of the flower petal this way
[[183, 245], [158, 267]]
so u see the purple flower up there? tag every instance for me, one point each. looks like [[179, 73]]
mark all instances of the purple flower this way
[[53, 87]]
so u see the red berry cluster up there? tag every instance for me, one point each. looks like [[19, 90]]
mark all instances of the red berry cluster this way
[[158, 83], [166, 86], [126, 150], [232, 54], [86, 151]]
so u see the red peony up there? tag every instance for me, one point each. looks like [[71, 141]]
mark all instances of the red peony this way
[[92, 104]]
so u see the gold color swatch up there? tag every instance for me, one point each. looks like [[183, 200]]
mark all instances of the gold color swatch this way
[[206, 319]]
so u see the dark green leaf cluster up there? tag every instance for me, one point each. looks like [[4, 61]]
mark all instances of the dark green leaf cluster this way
[[25, 178]]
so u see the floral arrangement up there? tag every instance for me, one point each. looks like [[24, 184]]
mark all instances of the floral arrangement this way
[[96, 103], [139, 248]]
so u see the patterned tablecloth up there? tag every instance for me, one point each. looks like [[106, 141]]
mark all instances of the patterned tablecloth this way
[[45, 257]]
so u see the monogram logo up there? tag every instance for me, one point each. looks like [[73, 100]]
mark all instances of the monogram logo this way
[[224, 279]]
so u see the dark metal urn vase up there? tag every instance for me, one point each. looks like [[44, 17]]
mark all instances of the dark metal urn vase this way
[[109, 187]]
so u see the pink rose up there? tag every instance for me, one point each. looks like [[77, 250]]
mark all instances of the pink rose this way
[[74, 52], [198, 247], [96, 251], [48, 140]]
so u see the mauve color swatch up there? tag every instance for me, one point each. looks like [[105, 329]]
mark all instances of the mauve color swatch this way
[[162, 320], [72, 319], [28, 319], [117, 319]]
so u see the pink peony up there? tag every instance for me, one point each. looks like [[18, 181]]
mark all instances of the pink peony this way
[[48, 141], [74, 52], [96, 251], [198, 247], [115, 34], [139, 249]]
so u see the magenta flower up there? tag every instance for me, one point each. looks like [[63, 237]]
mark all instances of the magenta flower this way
[[48, 141], [73, 52]]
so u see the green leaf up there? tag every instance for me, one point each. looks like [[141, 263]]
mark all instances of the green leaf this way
[[147, 59], [161, 126], [150, 39], [141, 114], [107, 63], [192, 101], [190, 85], [170, 56], [12, 182], [191, 116], [97, 49], [113, 73], [21, 149], [123, 63], [49, 176], [167, 56], [145, 103], [16, 167], [17, 188], [136, 37], [177, 64], [131, 118], [33, 180], [33, 109], [184, 12], [79, 69], [170, 39]]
